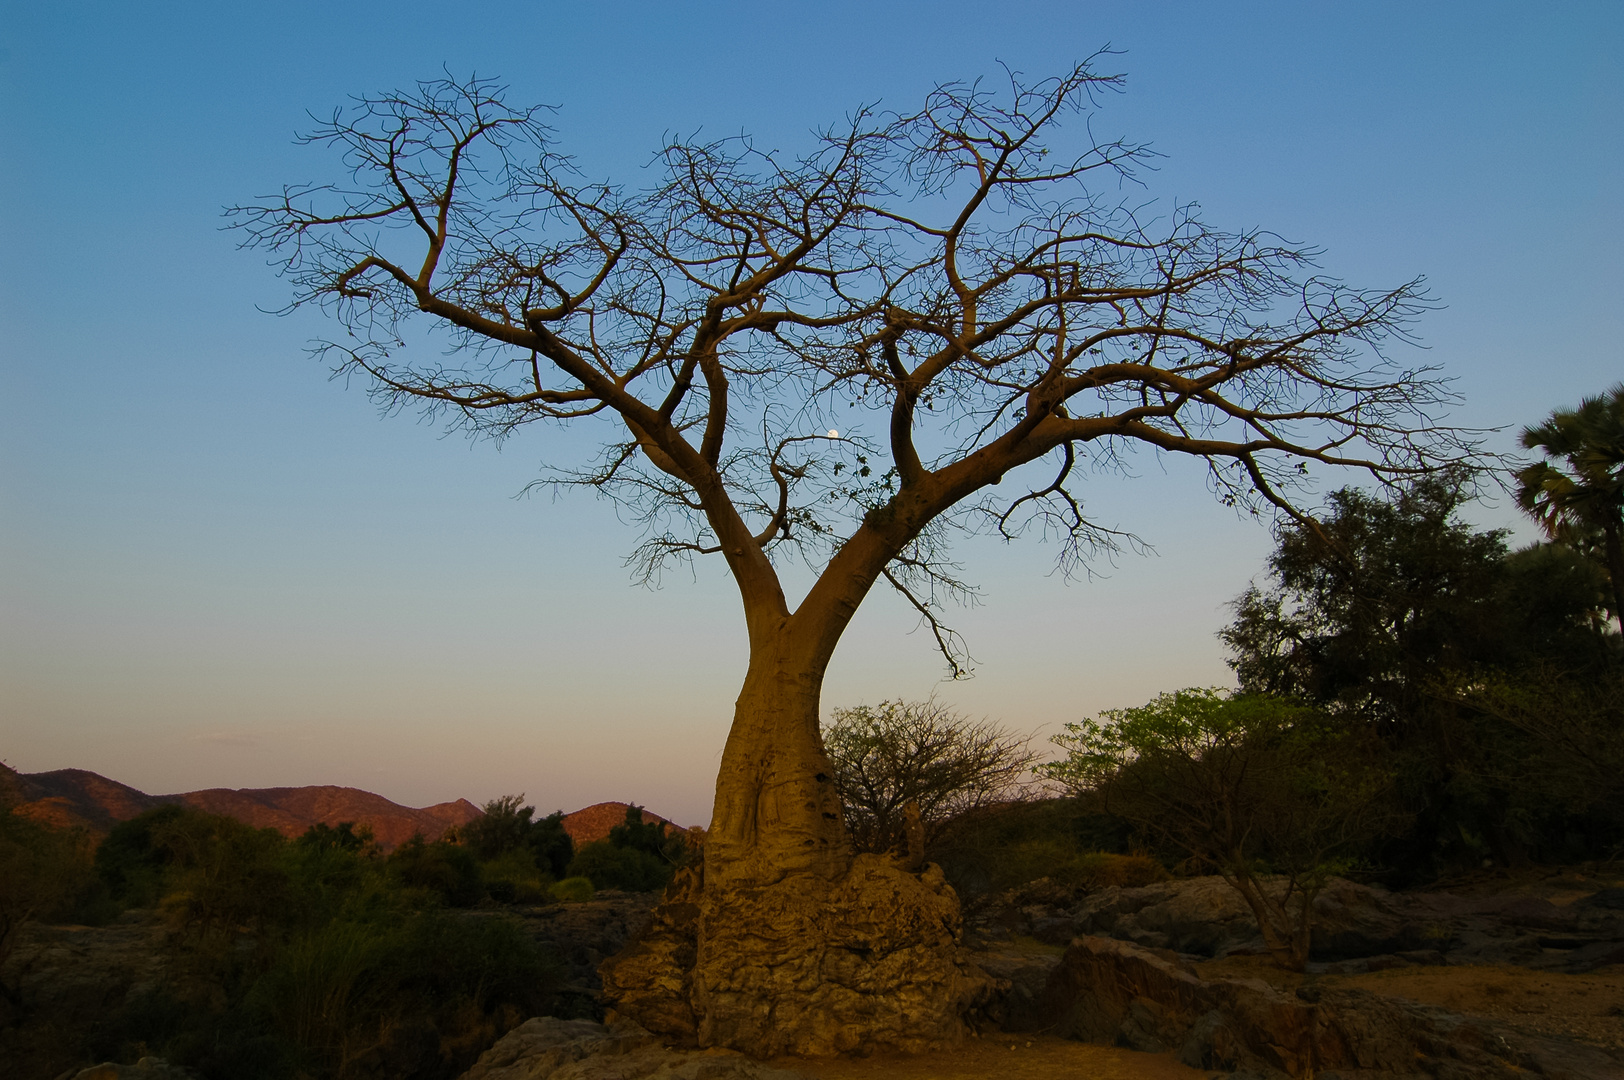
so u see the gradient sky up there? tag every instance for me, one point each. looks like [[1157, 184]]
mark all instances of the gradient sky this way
[[222, 570]]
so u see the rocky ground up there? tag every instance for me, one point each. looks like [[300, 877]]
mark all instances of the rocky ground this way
[[1484, 978], [584, 935]]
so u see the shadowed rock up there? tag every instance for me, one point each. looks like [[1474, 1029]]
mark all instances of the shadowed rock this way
[[547, 1048], [1113, 992]]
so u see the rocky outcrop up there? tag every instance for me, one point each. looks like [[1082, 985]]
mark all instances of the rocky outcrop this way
[[547, 1048], [1021, 976], [805, 966], [1114, 992], [83, 972], [1356, 927], [583, 936]]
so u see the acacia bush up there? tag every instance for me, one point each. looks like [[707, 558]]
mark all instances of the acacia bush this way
[[611, 867], [443, 870], [1267, 792], [507, 828], [921, 752]]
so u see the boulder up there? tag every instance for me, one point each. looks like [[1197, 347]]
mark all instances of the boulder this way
[[1352, 921], [1203, 916], [547, 1048]]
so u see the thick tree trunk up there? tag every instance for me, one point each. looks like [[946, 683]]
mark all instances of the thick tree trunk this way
[[784, 941], [776, 812]]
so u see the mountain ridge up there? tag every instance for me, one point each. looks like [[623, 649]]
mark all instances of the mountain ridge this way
[[78, 798]]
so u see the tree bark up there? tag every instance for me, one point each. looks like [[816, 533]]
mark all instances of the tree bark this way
[[783, 940], [776, 813]]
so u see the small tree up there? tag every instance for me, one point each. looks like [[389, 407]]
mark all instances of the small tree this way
[[922, 752], [1261, 789]]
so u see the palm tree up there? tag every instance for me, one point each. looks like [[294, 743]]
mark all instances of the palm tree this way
[[1580, 500]]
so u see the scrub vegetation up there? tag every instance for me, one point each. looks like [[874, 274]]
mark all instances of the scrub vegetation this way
[[318, 957]]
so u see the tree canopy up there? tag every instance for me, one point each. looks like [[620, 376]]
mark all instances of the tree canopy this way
[[839, 352], [1580, 501]]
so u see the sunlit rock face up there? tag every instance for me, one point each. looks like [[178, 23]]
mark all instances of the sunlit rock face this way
[[872, 960]]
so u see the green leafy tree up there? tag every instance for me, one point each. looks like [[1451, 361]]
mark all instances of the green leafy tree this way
[[224, 878], [635, 834], [132, 862], [1382, 611], [1267, 792], [609, 866], [924, 753], [637, 855], [1577, 492], [1367, 603], [507, 826]]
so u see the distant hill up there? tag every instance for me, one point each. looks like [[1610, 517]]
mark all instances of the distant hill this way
[[291, 811], [595, 821], [74, 797], [69, 798]]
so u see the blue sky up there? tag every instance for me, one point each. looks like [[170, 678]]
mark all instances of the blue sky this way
[[220, 569]]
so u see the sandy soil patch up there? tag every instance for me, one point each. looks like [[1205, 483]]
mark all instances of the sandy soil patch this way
[[1007, 1058]]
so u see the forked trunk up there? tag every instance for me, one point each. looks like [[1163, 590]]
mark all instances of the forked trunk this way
[[1287, 933]]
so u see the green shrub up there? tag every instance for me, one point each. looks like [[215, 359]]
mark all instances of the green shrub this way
[[352, 992], [572, 890], [612, 867], [999, 847], [223, 877], [514, 878], [443, 870], [356, 968], [130, 860], [1252, 785]]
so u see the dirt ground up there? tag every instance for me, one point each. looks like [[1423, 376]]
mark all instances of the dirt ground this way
[[1006, 1058]]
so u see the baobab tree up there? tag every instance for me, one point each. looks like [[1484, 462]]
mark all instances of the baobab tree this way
[[840, 356]]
